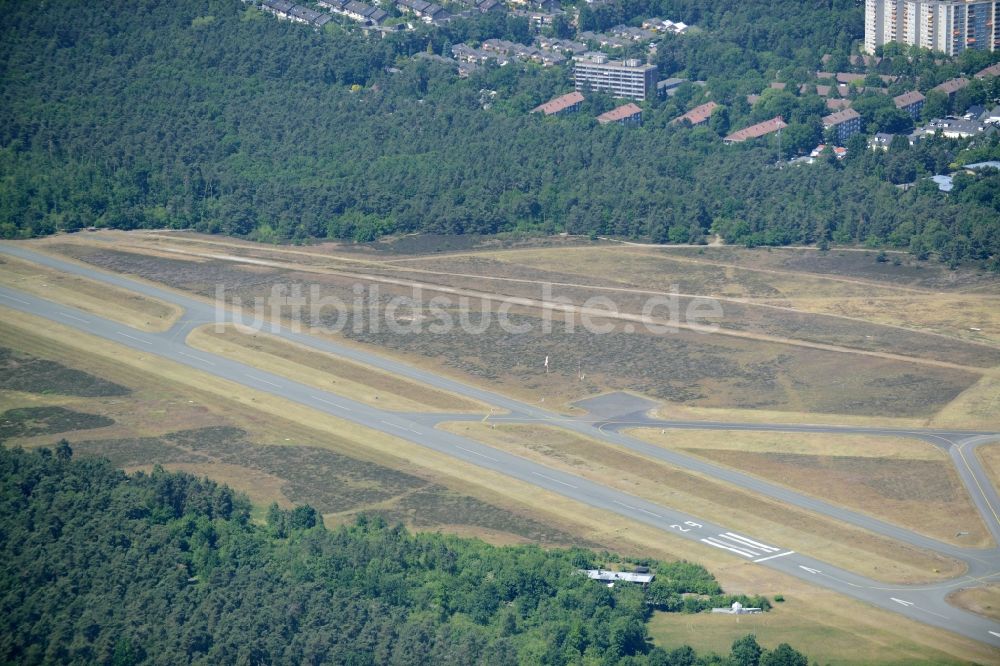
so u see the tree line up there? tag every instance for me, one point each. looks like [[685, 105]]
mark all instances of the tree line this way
[[210, 115], [97, 566]]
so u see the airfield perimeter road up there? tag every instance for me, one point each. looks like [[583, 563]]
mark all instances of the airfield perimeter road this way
[[924, 603]]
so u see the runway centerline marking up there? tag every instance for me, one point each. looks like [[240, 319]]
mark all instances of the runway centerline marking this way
[[264, 381], [401, 427], [476, 453], [74, 318], [16, 300], [131, 337], [197, 358], [330, 402], [555, 480]]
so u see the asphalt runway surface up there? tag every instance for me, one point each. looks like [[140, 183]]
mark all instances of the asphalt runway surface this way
[[925, 603]]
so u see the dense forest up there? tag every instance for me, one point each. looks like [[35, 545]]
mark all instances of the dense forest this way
[[97, 566], [208, 114]]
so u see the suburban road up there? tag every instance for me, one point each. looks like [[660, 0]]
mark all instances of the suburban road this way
[[925, 603]]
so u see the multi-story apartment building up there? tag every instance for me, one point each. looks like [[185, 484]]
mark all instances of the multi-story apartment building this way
[[631, 79], [950, 26], [845, 123]]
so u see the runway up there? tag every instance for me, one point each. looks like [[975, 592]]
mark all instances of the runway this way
[[925, 603]]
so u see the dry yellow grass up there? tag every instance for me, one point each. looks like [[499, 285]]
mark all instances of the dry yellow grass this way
[[101, 299], [155, 410], [838, 543], [970, 317], [260, 487], [798, 624], [325, 371], [804, 443], [680, 412], [653, 269], [850, 625], [989, 455], [907, 482], [983, 600], [978, 407]]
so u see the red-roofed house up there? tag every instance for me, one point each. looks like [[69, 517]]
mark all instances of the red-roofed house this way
[[698, 115], [567, 103], [755, 131], [627, 115]]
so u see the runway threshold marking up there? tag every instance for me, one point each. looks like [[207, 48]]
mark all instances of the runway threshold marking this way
[[132, 337], [712, 541], [554, 480], [771, 557], [750, 542]]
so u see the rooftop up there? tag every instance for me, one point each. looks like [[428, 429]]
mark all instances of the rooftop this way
[[992, 70], [840, 117], [600, 60], [560, 103], [906, 99], [605, 576], [758, 130], [992, 164], [621, 113], [698, 114], [952, 85]]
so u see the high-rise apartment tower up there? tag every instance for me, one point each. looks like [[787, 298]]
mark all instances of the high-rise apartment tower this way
[[949, 26]]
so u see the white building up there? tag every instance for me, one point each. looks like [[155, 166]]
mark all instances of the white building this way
[[632, 78], [737, 609], [611, 577], [949, 26]]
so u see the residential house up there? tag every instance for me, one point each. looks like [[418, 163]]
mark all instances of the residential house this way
[[880, 141], [628, 115], [755, 131], [567, 103], [279, 8], [560, 45], [952, 86], [698, 115], [992, 70]]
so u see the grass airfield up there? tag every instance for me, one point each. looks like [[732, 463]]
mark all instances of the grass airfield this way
[[825, 341]]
